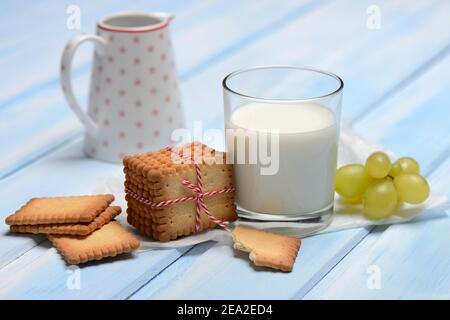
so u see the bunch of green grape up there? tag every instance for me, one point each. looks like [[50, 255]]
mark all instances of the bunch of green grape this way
[[382, 186]]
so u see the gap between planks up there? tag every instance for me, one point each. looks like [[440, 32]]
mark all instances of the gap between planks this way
[[161, 271], [414, 75]]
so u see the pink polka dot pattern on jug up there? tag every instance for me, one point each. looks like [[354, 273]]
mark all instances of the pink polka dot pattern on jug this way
[[134, 100]]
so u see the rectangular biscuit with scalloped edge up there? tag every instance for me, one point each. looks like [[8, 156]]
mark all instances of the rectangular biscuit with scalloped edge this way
[[108, 241], [70, 209], [70, 228]]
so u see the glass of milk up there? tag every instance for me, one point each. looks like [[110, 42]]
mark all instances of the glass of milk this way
[[282, 130]]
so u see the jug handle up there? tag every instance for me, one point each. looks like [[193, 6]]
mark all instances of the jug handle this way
[[66, 80]]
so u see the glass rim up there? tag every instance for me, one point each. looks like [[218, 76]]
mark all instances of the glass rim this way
[[340, 86]]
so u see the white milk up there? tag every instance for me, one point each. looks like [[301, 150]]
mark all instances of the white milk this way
[[308, 139]]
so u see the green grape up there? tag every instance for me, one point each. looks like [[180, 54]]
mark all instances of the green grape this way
[[396, 169], [407, 165], [380, 199], [400, 203], [354, 200], [351, 181], [412, 188], [378, 165]]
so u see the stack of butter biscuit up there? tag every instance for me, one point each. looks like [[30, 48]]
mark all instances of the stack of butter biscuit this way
[[80, 227], [155, 176]]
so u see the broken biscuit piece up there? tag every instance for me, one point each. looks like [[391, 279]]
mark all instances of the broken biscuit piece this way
[[267, 249]]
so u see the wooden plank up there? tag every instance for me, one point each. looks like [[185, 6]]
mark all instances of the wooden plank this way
[[49, 115], [220, 273], [173, 272], [54, 170], [24, 47], [412, 260], [191, 280], [315, 273], [415, 123], [45, 181], [106, 280], [353, 51], [41, 272], [37, 113], [190, 32], [201, 277]]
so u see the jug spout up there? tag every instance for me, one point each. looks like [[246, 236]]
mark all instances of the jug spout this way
[[164, 16]]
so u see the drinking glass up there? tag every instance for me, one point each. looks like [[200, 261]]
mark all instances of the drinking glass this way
[[282, 131]]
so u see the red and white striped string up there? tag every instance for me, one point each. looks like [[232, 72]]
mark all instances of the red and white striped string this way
[[198, 197]]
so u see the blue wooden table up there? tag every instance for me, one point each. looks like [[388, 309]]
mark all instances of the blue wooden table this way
[[394, 57]]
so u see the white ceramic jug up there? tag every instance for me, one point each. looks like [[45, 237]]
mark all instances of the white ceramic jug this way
[[134, 102]]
